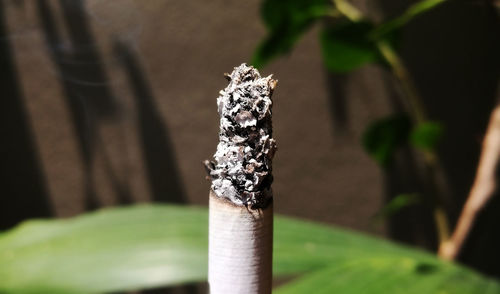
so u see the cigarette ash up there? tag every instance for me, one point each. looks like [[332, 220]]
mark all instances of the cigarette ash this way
[[241, 170]]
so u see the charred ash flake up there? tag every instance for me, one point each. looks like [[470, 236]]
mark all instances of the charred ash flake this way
[[242, 168]]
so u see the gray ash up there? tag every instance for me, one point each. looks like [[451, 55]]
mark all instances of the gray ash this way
[[241, 170]]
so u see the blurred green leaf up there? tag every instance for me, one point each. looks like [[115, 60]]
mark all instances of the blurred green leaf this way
[[286, 21], [426, 135], [110, 250], [397, 204], [384, 136], [346, 46], [391, 275], [156, 245]]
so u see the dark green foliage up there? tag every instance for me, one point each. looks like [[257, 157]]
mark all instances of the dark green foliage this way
[[347, 46], [426, 135], [286, 21], [278, 13], [384, 136]]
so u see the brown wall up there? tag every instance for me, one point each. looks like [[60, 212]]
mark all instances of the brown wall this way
[[113, 102]]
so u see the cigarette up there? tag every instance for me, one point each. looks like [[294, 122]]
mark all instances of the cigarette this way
[[241, 197]]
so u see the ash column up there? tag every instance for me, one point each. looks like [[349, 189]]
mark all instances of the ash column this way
[[240, 209]]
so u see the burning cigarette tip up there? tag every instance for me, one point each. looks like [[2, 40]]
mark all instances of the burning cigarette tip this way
[[242, 166]]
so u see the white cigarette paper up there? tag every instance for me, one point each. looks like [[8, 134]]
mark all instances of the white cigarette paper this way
[[240, 248], [241, 215]]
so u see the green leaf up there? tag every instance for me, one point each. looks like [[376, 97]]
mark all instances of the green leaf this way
[[287, 21], [279, 13], [346, 46], [383, 137], [389, 275], [155, 245], [110, 250], [426, 135], [397, 204]]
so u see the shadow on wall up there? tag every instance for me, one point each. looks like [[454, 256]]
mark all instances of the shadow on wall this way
[[157, 150], [24, 191], [338, 101], [84, 81], [90, 101]]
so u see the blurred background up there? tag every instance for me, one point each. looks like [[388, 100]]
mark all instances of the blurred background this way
[[108, 103]]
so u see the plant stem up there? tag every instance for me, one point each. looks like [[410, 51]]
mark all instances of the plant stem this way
[[348, 10], [418, 115], [400, 71], [482, 190]]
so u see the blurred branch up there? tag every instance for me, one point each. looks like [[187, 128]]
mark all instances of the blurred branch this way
[[348, 10], [481, 191], [400, 71]]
